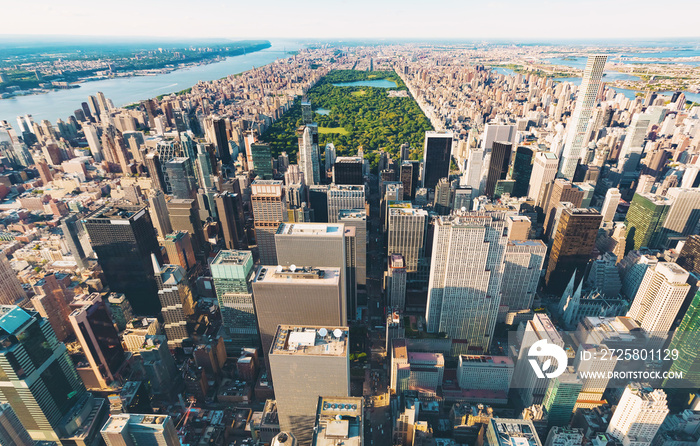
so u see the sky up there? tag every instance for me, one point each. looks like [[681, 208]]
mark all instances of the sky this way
[[455, 19]]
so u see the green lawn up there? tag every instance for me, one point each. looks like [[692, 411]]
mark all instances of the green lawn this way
[[359, 93], [329, 130]]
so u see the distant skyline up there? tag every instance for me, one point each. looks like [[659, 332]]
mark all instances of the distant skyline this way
[[334, 19]]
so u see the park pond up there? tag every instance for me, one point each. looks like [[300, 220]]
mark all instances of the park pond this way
[[379, 83]]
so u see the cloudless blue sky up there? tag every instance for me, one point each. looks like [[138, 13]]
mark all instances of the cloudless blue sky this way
[[526, 19]]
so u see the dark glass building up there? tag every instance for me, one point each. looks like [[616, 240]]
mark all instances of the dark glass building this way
[[182, 179], [437, 153], [522, 170], [124, 239], [498, 167], [221, 135], [348, 170]]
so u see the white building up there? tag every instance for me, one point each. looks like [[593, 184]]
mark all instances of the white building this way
[[479, 372], [638, 415], [544, 170]]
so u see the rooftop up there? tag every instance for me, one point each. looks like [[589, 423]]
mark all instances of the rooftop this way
[[118, 213], [308, 340], [316, 229], [338, 421], [116, 423], [298, 274], [482, 359], [228, 257], [512, 432]]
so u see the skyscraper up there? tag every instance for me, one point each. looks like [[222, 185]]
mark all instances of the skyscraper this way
[[577, 128], [308, 155], [124, 239], [184, 216], [307, 362], [659, 298], [128, 429], [498, 166], [396, 282], [11, 291], [463, 296], [176, 300], [406, 233], [232, 272], [158, 208], [181, 177], [523, 261], [44, 390], [544, 170], [296, 295], [684, 214], [644, 220], [99, 339], [437, 155], [522, 171], [685, 341], [11, 430], [221, 136], [560, 399], [357, 218], [178, 246], [269, 210], [573, 244], [344, 197], [689, 257], [612, 199], [229, 207], [262, 160], [638, 415], [558, 192], [348, 170]]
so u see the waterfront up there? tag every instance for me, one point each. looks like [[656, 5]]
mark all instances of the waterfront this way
[[127, 90]]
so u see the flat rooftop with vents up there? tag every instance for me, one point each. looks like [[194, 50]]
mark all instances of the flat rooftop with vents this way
[[307, 340]]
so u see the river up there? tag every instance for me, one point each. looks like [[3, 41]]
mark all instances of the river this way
[[127, 90]]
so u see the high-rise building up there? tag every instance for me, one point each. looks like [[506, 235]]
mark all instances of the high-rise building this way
[[357, 218], [685, 341], [348, 170], [73, 229], [437, 155], [11, 430], [684, 214], [464, 296], [659, 298], [307, 362], [396, 282], [344, 197], [178, 247], [181, 175], [269, 210], [506, 432], [339, 420], [544, 170], [406, 233], [573, 244], [612, 199], [557, 192], [129, 429], [498, 166], [177, 303], [11, 291], [158, 208], [636, 133], [308, 159], [124, 239], [561, 397], [232, 272], [262, 160], [121, 310], [638, 415], [444, 194], [99, 339], [318, 200], [184, 216], [577, 128], [409, 175], [229, 208], [221, 137], [689, 257], [523, 261], [645, 219], [296, 295], [159, 365], [522, 170], [44, 390]]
